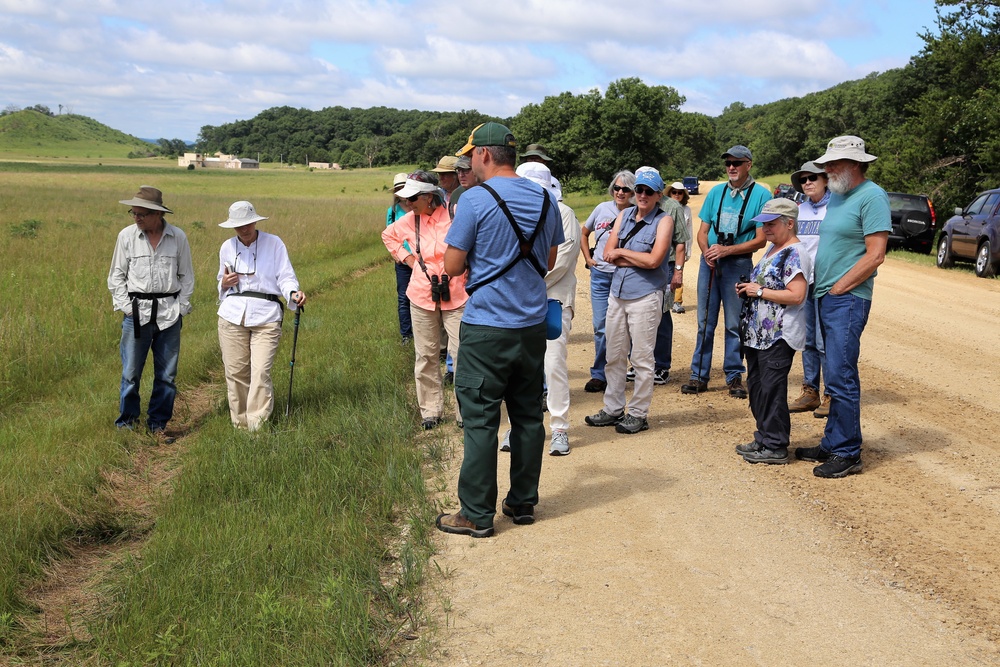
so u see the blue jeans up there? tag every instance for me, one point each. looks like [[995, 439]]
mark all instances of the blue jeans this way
[[843, 319], [166, 346], [663, 349], [723, 293], [403, 273], [814, 356], [600, 289]]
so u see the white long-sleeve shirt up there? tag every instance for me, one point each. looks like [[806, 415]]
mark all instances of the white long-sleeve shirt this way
[[272, 273], [136, 267]]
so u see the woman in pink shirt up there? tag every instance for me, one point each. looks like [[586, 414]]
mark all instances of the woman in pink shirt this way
[[436, 302]]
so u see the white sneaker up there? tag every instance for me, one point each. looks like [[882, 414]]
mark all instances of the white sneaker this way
[[560, 443], [505, 443]]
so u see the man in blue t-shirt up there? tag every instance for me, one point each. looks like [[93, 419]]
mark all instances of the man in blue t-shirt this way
[[728, 238], [502, 355], [851, 248]]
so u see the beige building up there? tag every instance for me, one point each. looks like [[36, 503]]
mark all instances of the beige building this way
[[219, 161]]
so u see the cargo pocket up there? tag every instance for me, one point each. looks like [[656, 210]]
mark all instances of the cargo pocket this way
[[469, 393]]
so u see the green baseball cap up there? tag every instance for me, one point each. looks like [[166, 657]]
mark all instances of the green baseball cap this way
[[488, 134]]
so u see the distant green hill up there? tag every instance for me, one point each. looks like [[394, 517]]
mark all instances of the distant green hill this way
[[32, 134]]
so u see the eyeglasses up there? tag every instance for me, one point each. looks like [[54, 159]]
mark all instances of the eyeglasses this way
[[735, 163], [645, 191], [140, 216], [810, 178], [236, 264], [413, 198], [460, 170], [621, 188]]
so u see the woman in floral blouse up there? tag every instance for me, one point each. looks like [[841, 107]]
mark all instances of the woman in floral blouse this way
[[772, 328]]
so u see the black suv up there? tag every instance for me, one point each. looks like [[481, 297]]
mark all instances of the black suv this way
[[973, 233], [914, 222]]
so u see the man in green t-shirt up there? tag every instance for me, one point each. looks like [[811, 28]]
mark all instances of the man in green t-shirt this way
[[851, 248]]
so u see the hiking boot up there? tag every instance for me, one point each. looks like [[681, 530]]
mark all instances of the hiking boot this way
[[823, 410], [630, 425], [661, 376], [749, 447], [765, 455], [838, 467], [595, 386], [694, 386], [630, 374], [430, 423], [677, 308], [602, 418], [522, 515], [545, 400], [457, 524], [505, 443], [449, 378], [560, 443], [809, 400], [736, 388], [816, 454]]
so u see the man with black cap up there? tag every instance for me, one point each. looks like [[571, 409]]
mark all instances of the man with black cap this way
[[728, 238], [851, 248], [151, 282], [506, 232]]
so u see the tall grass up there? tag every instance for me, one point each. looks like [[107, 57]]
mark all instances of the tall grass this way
[[299, 545]]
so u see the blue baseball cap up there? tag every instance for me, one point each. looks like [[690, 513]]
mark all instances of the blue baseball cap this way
[[650, 179]]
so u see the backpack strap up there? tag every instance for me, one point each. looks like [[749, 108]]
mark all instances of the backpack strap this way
[[524, 244]]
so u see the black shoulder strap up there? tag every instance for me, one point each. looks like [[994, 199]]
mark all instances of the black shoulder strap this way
[[524, 244], [622, 242], [743, 210]]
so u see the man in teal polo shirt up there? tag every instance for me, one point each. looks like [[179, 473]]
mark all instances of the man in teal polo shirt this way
[[851, 248], [508, 247]]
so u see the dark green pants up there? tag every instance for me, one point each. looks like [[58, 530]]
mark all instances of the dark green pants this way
[[500, 365]]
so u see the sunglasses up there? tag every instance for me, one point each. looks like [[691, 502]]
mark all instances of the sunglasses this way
[[413, 198], [810, 178], [735, 163], [643, 190], [621, 188]]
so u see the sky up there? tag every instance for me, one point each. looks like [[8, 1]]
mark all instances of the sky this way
[[165, 69]]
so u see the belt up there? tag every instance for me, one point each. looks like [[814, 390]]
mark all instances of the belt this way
[[259, 295], [142, 296]]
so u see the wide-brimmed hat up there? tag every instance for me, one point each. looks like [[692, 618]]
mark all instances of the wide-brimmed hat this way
[[536, 150], [398, 181], [446, 165], [241, 213], [807, 168], [847, 147], [739, 152], [488, 134], [147, 197], [777, 208]]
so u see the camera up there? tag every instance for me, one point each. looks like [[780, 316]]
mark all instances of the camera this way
[[440, 290], [743, 279]]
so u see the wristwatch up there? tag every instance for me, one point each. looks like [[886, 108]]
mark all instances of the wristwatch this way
[[760, 293]]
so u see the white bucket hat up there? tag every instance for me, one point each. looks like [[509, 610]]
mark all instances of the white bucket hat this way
[[845, 148], [241, 213]]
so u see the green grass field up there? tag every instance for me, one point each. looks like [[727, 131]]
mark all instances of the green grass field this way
[[304, 544]]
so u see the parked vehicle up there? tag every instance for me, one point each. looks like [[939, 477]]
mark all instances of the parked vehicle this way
[[914, 222], [788, 192], [973, 234], [691, 184]]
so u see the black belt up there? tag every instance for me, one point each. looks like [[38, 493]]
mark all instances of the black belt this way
[[260, 295], [142, 296]]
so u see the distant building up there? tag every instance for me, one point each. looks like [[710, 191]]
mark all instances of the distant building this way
[[324, 165], [219, 161]]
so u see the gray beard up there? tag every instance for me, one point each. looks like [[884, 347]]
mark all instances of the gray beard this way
[[840, 183]]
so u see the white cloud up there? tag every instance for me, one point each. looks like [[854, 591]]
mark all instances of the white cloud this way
[[443, 58]]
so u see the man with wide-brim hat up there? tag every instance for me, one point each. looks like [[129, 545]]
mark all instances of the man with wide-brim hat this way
[[811, 180], [851, 248], [254, 274], [503, 328], [151, 282]]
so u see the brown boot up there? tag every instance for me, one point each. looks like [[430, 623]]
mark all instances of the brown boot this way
[[824, 409], [809, 400]]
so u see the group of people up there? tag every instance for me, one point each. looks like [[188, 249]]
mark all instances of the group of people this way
[[151, 282]]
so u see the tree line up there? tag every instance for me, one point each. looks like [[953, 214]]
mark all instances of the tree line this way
[[933, 123]]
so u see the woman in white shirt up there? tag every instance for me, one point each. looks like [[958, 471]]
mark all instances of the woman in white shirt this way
[[254, 271]]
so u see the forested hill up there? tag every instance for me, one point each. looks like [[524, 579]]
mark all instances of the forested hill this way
[[934, 124]]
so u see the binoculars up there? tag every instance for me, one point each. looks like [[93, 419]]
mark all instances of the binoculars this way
[[440, 291]]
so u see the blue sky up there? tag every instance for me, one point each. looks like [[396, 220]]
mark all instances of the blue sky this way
[[156, 69]]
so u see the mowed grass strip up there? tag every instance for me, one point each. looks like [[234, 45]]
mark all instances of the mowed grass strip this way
[[300, 545]]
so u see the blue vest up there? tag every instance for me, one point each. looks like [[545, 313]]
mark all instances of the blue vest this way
[[629, 282]]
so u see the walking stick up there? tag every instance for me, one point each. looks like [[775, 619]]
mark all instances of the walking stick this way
[[295, 340]]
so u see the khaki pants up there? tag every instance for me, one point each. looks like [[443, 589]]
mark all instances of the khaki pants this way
[[631, 322], [248, 355], [427, 328]]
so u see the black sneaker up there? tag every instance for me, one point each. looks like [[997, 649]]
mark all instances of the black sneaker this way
[[522, 515], [816, 454], [765, 455], [595, 386], [630, 374], [661, 376], [736, 388], [838, 467], [694, 387], [449, 378], [602, 418], [630, 425], [748, 447], [430, 422]]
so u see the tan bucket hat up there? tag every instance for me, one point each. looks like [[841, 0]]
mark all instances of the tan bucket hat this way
[[147, 197]]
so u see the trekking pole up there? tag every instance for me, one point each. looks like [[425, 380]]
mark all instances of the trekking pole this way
[[295, 340], [704, 326]]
